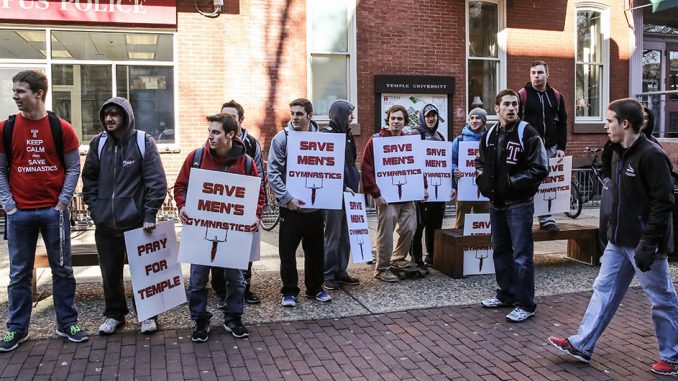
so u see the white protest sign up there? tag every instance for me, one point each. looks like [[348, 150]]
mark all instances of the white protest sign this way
[[553, 195], [398, 163], [437, 169], [358, 231], [315, 168], [467, 189], [478, 259], [157, 281], [222, 211]]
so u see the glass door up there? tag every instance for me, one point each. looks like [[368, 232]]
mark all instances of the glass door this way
[[671, 107]]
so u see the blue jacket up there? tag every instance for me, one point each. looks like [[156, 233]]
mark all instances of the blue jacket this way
[[467, 135]]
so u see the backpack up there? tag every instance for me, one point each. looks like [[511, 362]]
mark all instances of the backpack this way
[[423, 134], [54, 125], [141, 143], [523, 100], [197, 160], [521, 133]]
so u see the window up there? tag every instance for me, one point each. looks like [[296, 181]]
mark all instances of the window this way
[[486, 62], [85, 68], [332, 66], [591, 67]]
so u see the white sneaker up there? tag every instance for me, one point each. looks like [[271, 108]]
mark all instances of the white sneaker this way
[[110, 325], [519, 315], [148, 326]]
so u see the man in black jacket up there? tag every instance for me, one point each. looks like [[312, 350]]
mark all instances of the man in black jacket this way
[[124, 186], [640, 236], [511, 164]]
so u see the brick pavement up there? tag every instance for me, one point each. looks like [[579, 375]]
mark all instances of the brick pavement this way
[[459, 342]]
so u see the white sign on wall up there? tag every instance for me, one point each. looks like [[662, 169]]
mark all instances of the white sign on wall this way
[[358, 230], [414, 104], [553, 195], [437, 169], [398, 163], [478, 259]]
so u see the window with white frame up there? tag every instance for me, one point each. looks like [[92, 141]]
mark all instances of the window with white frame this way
[[592, 64], [331, 40], [85, 68], [486, 55]]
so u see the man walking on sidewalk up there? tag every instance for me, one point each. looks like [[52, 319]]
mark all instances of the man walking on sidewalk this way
[[39, 169], [511, 164], [640, 235]]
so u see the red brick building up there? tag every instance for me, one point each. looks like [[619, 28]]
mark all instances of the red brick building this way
[[177, 65]]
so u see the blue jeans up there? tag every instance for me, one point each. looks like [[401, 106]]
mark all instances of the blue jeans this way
[[513, 253], [337, 244], [616, 272], [197, 293], [22, 237]]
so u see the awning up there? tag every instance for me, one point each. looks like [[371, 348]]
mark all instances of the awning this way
[[661, 5]]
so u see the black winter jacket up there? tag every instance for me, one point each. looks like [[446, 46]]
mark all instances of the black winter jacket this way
[[506, 171], [643, 197], [546, 116]]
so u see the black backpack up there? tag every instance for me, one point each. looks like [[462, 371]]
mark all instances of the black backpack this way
[[197, 160]]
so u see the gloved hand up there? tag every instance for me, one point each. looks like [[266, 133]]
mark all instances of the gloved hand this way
[[645, 253]]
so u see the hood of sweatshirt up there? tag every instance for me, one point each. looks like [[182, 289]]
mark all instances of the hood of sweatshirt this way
[[339, 112], [126, 108]]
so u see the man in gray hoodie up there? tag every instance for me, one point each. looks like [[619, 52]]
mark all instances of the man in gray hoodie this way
[[297, 224], [124, 186]]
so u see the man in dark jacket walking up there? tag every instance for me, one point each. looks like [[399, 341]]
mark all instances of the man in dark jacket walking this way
[[543, 108], [511, 164], [640, 236], [124, 186]]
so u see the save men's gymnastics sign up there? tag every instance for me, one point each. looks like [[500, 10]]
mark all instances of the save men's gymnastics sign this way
[[398, 164], [437, 162]]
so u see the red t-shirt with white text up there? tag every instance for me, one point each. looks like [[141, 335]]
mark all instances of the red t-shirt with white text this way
[[36, 174]]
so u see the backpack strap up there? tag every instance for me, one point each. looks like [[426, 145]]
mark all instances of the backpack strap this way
[[556, 94], [521, 133], [375, 135], [197, 157], [141, 143], [248, 164], [103, 137], [7, 134], [522, 95], [489, 133]]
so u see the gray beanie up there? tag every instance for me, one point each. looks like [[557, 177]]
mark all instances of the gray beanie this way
[[479, 112]]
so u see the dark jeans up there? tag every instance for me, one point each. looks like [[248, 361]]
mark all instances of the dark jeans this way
[[111, 249], [430, 216], [513, 254], [219, 280], [197, 293], [23, 227], [306, 228]]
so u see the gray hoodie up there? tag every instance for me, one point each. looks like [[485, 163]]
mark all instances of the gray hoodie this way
[[277, 164], [339, 112], [122, 189]]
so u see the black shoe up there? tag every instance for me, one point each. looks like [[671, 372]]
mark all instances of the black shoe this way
[[221, 303], [550, 228], [201, 331], [236, 328], [251, 298], [349, 280], [330, 284], [11, 340], [429, 260]]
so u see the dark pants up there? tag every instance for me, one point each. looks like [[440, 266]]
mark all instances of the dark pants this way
[[197, 293], [513, 254], [306, 228], [219, 280], [430, 216], [111, 249]]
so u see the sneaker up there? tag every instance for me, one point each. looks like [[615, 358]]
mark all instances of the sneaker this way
[[289, 301], [665, 368], [321, 296], [148, 326], [564, 345], [11, 340], [73, 333], [251, 298], [519, 315], [110, 325], [387, 276], [201, 331], [221, 303], [236, 328], [494, 303], [550, 228], [348, 280], [429, 260], [330, 284]]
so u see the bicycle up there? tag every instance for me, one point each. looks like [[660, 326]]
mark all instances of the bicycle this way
[[270, 215], [583, 191]]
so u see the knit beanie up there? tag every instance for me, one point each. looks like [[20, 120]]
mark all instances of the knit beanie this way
[[480, 113]]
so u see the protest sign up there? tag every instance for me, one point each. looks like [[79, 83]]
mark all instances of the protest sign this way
[[315, 168], [437, 169], [467, 189], [553, 195], [478, 259], [398, 163], [222, 215], [157, 281], [358, 231]]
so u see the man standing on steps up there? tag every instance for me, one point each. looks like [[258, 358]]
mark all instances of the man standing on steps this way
[[39, 169], [511, 165], [543, 108]]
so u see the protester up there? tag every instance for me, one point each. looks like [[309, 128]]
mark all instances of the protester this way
[[389, 214], [253, 149], [337, 240], [39, 169], [640, 237], [223, 151], [543, 108], [511, 164], [297, 224], [124, 186], [472, 132]]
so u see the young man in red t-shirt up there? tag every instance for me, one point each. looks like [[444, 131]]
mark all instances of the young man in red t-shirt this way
[[33, 208]]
